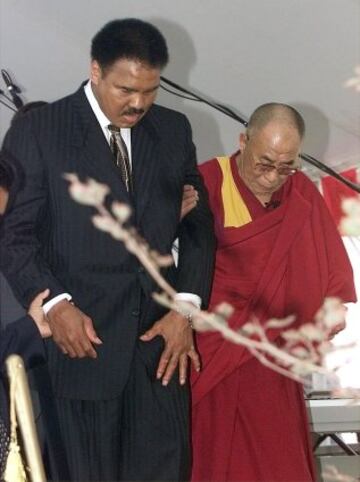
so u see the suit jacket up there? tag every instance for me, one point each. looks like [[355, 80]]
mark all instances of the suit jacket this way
[[23, 338], [48, 241]]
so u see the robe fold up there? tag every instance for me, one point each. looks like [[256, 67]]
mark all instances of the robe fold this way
[[249, 422]]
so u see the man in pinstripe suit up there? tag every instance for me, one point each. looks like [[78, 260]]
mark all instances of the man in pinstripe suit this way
[[117, 362]]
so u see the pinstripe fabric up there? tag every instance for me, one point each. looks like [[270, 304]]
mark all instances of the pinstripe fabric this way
[[90, 431], [140, 436], [155, 428]]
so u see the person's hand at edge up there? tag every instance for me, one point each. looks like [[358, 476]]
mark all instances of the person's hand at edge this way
[[189, 200], [37, 314]]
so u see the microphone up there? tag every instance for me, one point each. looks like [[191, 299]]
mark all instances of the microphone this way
[[13, 89], [272, 204]]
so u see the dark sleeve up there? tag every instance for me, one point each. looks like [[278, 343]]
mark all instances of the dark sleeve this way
[[23, 338], [196, 235], [20, 249]]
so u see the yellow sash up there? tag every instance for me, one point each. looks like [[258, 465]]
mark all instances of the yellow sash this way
[[236, 213]]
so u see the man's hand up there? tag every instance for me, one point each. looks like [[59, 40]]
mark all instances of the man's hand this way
[[36, 312], [72, 330], [189, 200], [179, 345]]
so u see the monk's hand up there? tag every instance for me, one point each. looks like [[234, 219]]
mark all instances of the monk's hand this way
[[179, 346], [189, 200], [72, 330]]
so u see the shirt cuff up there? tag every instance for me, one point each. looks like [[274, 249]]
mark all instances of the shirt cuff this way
[[189, 297], [49, 304]]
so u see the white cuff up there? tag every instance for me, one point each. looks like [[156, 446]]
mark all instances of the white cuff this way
[[190, 297], [48, 305]]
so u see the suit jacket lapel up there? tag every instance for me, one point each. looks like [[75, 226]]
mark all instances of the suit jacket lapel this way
[[94, 154], [146, 161]]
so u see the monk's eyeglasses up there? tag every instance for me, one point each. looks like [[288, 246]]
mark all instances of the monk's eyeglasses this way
[[281, 170]]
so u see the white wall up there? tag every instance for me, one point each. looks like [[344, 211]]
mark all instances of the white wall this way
[[240, 52]]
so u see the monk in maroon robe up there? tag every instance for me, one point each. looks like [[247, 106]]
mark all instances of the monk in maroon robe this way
[[278, 253]]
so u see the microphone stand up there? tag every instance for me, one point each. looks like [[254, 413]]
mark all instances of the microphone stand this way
[[328, 170], [230, 113], [13, 89], [5, 104]]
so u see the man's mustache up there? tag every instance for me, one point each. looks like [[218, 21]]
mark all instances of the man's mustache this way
[[134, 111]]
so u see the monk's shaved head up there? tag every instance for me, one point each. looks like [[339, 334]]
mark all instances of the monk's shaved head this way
[[276, 113]]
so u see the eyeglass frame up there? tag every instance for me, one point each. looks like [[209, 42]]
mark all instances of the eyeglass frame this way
[[267, 168]]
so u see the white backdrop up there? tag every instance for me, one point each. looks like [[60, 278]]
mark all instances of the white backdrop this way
[[240, 52]]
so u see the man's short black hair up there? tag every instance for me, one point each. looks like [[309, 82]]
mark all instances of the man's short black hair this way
[[131, 39]]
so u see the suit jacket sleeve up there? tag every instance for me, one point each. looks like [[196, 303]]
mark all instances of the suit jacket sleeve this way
[[23, 338], [196, 235], [20, 248]]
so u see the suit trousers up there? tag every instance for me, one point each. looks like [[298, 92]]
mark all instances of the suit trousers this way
[[141, 436]]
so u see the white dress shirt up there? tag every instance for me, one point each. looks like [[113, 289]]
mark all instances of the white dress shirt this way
[[104, 121]]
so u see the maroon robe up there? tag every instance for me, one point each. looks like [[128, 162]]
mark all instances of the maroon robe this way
[[249, 422]]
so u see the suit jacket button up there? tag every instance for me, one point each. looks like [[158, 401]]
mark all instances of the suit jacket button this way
[[135, 312], [141, 269]]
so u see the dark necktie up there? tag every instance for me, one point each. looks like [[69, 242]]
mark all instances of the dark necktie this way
[[121, 156]]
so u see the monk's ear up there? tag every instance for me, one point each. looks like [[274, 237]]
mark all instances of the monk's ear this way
[[242, 141]]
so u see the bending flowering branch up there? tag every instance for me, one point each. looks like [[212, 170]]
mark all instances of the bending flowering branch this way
[[350, 223], [303, 349], [293, 361], [354, 82]]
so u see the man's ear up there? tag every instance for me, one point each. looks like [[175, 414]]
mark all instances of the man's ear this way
[[4, 197], [95, 72], [243, 138]]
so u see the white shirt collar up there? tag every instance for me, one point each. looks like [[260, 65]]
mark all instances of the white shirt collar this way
[[103, 120], [101, 117]]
